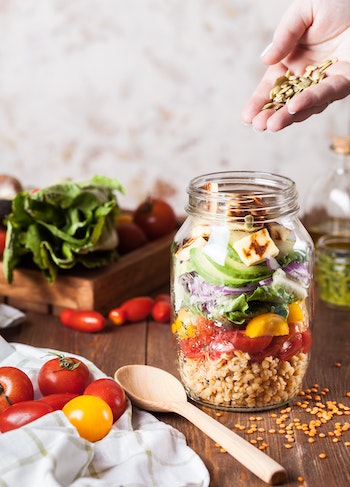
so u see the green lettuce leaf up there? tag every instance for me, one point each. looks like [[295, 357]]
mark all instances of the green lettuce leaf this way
[[264, 299], [63, 225]]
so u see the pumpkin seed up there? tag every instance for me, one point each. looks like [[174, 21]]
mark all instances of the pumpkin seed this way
[[289, 85]]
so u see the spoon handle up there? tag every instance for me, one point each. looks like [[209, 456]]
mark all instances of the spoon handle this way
[[248, 455]]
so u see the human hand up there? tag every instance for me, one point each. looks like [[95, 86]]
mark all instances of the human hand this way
[[310, 32]]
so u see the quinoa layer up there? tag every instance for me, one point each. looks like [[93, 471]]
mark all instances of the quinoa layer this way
[[237, 383]]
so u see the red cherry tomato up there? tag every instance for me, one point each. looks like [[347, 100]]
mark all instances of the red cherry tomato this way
[[130, 237], [206, 329], [89, 321], [111, 392], [307, 341], [271, 351], [63, 374], [15, 386], [138, 308], [2, 241], [285, 347], [22, 413], [161, 311], [219, 347], [57, 401], [117, 316], [132, 310], [192, 347], [290, 347], [163, 297], [229, 341], [156, 218], [249, 345]]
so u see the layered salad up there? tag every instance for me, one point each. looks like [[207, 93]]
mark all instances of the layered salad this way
[[241, 312]]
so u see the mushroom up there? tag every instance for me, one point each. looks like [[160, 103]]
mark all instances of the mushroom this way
[[9, 187]]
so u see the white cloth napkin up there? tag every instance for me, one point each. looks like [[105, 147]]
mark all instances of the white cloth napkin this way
[[10, 316], [139, 451]]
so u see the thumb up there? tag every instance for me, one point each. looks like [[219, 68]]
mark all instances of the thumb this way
[[291, 28]]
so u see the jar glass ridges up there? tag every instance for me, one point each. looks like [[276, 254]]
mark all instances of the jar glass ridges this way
[[241, 291]]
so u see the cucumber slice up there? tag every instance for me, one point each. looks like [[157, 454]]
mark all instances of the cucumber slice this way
[[281, 280]]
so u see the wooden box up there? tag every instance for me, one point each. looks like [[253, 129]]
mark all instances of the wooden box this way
[[138, 273]]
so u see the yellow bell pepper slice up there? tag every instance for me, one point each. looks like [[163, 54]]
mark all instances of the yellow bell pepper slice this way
[[295, 313], [267, 324], [183, 325]]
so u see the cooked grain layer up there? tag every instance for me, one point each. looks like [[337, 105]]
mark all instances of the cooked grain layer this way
[[236, 382]]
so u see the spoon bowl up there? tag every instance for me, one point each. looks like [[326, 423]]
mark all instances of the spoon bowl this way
[[156, 390], [150, 388]]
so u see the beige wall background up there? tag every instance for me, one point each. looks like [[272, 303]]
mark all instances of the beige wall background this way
[[148, 91]]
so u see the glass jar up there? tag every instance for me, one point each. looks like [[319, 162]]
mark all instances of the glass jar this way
[[333, 271], [327, 206], [241, 287]]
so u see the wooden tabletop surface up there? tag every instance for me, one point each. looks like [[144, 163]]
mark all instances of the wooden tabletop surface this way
[[314, 426]]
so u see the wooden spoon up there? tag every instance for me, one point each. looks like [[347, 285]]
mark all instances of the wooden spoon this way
[[154, 389]]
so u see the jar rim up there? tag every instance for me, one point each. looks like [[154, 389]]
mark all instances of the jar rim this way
[[263, 195], [335, 243]]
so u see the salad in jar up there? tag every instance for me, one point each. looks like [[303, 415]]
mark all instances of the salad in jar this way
[[241, 311]]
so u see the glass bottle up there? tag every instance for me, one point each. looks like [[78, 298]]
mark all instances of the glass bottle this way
[[241, 287], [333, 271], [327, 207]]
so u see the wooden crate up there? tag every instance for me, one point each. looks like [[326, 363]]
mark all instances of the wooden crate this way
[[140, 272]]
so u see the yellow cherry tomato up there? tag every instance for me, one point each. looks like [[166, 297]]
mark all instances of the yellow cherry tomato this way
[[295, 313], [267, 324], [91, 415]]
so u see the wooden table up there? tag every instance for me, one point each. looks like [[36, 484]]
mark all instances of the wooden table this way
[[151, 343]]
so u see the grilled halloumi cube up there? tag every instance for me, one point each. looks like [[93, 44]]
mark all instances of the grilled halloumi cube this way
[[278, 231], [256, 247]]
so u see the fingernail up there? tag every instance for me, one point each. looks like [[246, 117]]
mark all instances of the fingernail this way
[[267, 48]]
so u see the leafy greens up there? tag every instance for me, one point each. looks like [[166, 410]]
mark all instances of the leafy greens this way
[[62, 225]]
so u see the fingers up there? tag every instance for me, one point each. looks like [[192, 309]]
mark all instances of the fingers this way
[[291, 28], [311, 101], [334, 87], [282, 119], [261, 93]]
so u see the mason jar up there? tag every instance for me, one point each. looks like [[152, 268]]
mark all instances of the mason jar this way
[[241, 289]]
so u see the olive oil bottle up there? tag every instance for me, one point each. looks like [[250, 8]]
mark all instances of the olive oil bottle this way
[[327, 206]]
